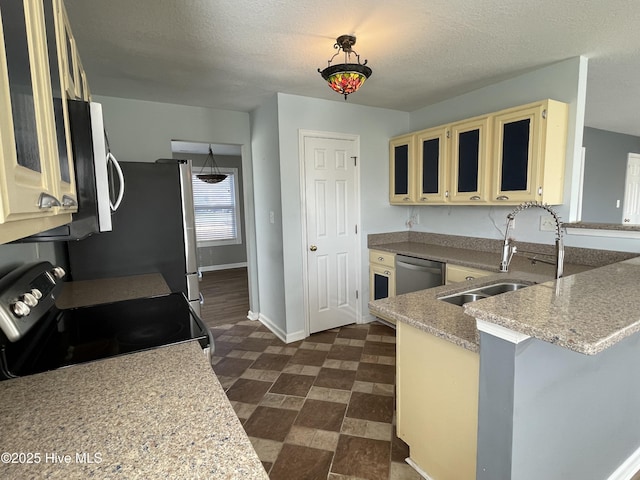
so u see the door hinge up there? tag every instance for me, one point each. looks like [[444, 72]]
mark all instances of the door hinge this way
[[355, 161], [356, 294], [356, 229]]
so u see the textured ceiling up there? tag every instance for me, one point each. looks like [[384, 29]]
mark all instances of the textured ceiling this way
[[234, 54]]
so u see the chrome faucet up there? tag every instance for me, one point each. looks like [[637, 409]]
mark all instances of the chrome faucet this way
[[508, 249]]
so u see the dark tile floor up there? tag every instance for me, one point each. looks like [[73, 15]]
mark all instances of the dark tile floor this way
[[322, 408]]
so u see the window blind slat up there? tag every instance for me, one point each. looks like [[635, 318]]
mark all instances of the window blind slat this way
[[215, 209]]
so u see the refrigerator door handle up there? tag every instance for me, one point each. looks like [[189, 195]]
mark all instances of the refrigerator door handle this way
[[114, 162]]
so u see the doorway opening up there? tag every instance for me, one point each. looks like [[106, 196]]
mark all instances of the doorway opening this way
[[220, 226]]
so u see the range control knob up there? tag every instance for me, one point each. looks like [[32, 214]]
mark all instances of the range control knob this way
[[20, 309], [58, 272], [36, 293], [30, 300]]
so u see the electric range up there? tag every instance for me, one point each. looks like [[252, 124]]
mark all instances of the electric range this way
[[36, 336]]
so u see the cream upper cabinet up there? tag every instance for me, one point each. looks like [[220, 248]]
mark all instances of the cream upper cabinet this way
[[470, 151], [402, 170], [74, 77], [432, 165], [505, 157], [36, 165], [529, 153]]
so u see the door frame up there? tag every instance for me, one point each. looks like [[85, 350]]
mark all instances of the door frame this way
[[630, 156], [302, 134]]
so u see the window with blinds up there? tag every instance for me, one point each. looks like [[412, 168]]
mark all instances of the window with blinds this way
[[217, 210]]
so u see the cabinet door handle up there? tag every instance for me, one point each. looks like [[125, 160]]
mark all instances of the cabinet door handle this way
[[406, 199], [423, 199], [387, 272], [468, 278], [475, 197], [68, 201], [381, 259], [48, 201], [502, 197]]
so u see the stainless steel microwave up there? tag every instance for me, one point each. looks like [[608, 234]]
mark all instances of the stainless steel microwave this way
[[99, 179]]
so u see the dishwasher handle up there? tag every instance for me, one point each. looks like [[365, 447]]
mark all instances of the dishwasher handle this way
[[420, 268]]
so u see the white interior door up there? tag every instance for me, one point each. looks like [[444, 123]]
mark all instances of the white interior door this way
[[631, 207], [331, 215]]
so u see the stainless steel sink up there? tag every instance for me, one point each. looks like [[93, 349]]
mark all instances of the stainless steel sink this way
[[479, 293], [462, 298], [502, 288]]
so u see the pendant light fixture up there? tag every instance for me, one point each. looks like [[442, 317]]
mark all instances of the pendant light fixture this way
[[214, 176], [347, 77]]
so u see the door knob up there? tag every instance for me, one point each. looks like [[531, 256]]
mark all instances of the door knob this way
[[313, 248]]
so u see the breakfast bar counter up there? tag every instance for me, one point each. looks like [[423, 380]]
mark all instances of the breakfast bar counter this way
[[160, 413]]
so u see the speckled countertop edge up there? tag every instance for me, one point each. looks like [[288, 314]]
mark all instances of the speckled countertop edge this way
[[160, 413], [532, 316]]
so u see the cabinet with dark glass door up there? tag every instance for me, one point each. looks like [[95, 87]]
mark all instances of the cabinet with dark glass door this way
[[470, 144], [432, 165], [402, 170], [530, 149]]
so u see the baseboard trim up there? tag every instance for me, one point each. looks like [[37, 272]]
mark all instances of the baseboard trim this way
[[415, 466], [278, 332], [296, 336], [628, 469], [227, 266]]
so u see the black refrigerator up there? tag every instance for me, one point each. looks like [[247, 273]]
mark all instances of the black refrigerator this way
[[153, 231]]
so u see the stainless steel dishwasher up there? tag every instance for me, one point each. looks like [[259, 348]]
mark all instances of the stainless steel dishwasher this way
[[413, 274]]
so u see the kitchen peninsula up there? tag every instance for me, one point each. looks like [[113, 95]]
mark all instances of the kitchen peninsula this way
[[555, 365]]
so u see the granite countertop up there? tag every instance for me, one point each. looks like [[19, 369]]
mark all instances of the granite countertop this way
[[467, 257], [586, 311], [424, 311], [83, 293], [160, 413]]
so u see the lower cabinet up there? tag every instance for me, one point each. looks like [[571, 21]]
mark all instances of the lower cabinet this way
[[437, 403], [458, 273], [382, 275]]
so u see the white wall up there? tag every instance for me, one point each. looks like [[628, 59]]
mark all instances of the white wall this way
[[266, 191], [142, 132], [374, 126]]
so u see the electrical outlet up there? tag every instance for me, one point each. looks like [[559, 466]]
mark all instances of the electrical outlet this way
[[547, 224]]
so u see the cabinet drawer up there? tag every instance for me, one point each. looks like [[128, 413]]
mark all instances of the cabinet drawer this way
[[458, 273], [382, 258]]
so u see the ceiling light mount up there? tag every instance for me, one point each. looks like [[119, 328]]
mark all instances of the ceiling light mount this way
[[346, 78]]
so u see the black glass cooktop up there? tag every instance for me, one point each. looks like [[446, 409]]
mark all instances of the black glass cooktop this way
[[78, 335]]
